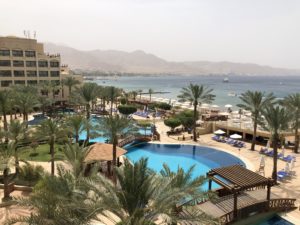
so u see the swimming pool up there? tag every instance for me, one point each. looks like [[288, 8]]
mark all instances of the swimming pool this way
[[275, 220], [96, 120], [174, 155]]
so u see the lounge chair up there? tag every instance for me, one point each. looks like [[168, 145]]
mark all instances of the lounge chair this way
[[288, 158]]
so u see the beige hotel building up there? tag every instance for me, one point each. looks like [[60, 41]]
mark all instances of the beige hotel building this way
[[24, 62]]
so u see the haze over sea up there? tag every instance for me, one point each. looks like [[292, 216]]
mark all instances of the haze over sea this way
[[281, 86]]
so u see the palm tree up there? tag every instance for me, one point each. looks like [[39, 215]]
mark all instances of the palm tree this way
[[196, 95], [75, 156], [17, 131], [112, 93], [44, 102], [140, 91], [141, 195], [70, 82], [88, 93], [5, 97], [26, 102], [150, 92], [255, 102], [114, 127], [51, 130], [77, 125], [277, 119], [292, 102], [6, 155]]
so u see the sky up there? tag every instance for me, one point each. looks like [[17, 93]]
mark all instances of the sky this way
[[265, 32]]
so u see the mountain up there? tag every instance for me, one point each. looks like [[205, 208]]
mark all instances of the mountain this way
[[144, 63]]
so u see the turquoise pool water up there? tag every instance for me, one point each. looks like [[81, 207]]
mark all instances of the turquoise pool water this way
[[94, 121], [185, 156], [275, 220]]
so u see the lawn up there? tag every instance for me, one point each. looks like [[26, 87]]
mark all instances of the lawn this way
[[42, 153]]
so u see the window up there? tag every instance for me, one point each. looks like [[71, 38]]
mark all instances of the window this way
[[6, 83], [43, 73], [19, 82], [54, 64], [43, 64], [18, 63], [54, 73], [19, 73], [30, 53], [5, 73], [17, 53], [32, 82], [31, 73], [30, 63], [4, 52], [5, 63]]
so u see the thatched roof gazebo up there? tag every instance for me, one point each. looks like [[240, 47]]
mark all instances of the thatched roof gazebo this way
[[100, 152]]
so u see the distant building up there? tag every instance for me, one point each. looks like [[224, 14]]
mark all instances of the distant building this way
[[24, 62]]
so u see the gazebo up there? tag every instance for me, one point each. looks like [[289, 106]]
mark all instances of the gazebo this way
[[243, 194], [101, 152]]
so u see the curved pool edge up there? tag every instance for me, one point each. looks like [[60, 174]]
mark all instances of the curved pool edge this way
[[247, 162]]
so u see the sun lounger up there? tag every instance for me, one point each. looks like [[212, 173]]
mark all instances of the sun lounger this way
[[288, 158]]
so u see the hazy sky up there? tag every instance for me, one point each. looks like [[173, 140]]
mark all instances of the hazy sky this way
[[259, 31]]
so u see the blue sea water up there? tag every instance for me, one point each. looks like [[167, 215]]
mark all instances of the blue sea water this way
[[279, 85], [185, 156]]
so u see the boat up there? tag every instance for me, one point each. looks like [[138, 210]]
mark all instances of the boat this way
[[226, 80], [232, 94]]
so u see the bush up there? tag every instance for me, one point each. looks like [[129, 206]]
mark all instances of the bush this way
[[30, 174], [164, 106], [172, 123], [127, 109], [123, 101], [186, 118]]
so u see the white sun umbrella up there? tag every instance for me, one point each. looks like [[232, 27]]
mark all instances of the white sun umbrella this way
[[262, 161], [177, 104], [204, 105], [215, 106], [287, 167], [228, 106], [173, 100], [166, 100], [199, 122], [159, 99], [219, 132], [224, 114], [235, 136]]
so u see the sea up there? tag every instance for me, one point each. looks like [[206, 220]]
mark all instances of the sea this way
[[226, 92]]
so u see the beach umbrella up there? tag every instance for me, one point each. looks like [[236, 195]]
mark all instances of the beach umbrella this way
[[282, 151], [219, 132], [235, 136], [204, 105], [287, 167], [262, 161], [215, 106], [228, 106], [159, 99], [224, 114]]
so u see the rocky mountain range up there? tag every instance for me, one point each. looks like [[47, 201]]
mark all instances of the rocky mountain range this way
[[140, 62]]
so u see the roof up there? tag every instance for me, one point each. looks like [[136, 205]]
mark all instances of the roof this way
[[238, 177], [102, 152]]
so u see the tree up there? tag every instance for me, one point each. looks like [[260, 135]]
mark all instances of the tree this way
[[88, 93], [196, 95], [70, 82], [112, 93], [172, 123], [164, 106], [150, 92], [140, 93], [143, 195], [76, 124], [6, 155], [127, 109], [255, 102], [26, 102], [186, 118], [5, 97], [114, 127], [292, 103], [51, 131], [276, 121], [17, 131], [44, 102]]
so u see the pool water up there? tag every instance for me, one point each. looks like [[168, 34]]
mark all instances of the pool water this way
[[95, 121], [275, 220], [174, 155]]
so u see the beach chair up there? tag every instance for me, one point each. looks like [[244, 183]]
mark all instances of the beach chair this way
[[270, 153], [288, 158]]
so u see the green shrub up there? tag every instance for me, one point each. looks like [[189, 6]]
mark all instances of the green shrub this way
[[127, 109], [172, 122], [30, 174]]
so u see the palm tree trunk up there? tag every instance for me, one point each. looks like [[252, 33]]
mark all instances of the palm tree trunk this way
[[70, 90], [17, 160], [76, 137], [87, 118], [195, 120], [275, 156], [114, 162], [111, 106], [52, 157], [5, 182], [296, 137], [5, 125], [254, 134]]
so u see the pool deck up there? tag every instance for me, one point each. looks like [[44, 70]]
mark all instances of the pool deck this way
[[290, 188]]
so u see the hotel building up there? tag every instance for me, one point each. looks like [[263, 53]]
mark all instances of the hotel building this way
[[24, 62]]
